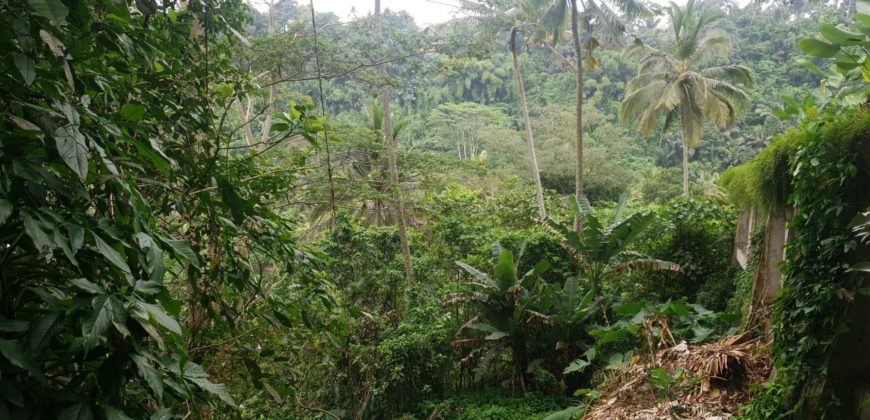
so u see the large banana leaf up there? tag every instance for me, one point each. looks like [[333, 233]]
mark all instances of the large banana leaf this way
[[617, 237]]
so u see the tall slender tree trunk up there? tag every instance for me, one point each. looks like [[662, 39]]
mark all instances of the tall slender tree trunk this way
[[685, 167], [243, 115], [273, 89], [578, 168], [390, 146], [530, 141]]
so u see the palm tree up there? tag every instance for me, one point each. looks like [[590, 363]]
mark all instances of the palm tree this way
[[601, 25], [521, 20], [530, 140], [390, 147], [677, 85]]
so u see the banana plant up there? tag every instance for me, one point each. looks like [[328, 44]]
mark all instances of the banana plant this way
[[601, 247], [505, 303]]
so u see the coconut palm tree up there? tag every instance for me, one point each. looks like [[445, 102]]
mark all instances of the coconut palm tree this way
[[530, 140], [521, 18], [390, 147], [684, 83], [601, 25]]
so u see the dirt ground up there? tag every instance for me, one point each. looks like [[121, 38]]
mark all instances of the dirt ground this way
[[709, 381]]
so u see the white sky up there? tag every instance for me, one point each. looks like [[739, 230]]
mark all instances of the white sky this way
[[425, 12]]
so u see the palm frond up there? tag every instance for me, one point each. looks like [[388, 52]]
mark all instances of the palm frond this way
[[604, 22], [641, 97], [632, 8], [716, 46], [555, 19], [733, 73]]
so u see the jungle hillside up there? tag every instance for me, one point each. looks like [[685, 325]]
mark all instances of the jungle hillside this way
[[532, 209]]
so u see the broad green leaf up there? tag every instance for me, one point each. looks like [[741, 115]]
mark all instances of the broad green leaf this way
[[37, 232], [107, 310], [577, 366], [156, 313], [840, 36], [76, 237], [571, 294], [630, 308], [25, 66], [88, 286], [239, 207], [150, 375], [54, 10], [505, 270], [13, 325], [73, 149], [148, 287], [43, 330], [133, 112], [14, 353], [194, 373], [113, 413], [111, 254], [77, 411], [182, 249], [817, 48], [5, 210], [477, 274]]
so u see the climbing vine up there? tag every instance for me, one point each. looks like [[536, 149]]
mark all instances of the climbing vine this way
[[829, 182]]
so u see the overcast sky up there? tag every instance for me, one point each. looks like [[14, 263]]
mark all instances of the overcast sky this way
[[425, 12]]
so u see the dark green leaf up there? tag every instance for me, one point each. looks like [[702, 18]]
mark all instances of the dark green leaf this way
[[111, 254], [840, 36], [150, 375], [54, 10], [72, 148], [37, 232], [5, 210], [13, 325], [14, 353], [818, 48], [133, 112], [24, 64], [183, 250], [115, 414], [157, 314], [88, 286], [77, 411], [42, 330], [107, 310], [194, 373]]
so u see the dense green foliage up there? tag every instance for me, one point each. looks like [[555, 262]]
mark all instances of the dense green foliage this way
[[831, 173], [198, 216]]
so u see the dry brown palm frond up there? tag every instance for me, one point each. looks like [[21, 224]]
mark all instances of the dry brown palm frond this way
[[466, 342], [454, 299], [466, 325], [539, 317]]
